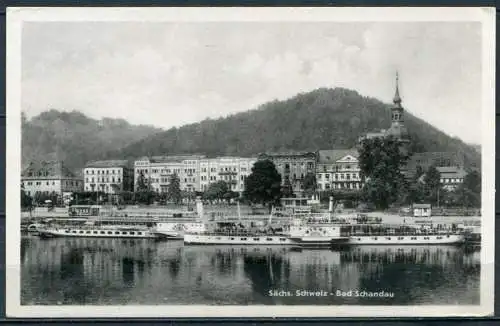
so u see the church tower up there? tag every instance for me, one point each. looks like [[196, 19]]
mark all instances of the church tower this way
[[397, 128]]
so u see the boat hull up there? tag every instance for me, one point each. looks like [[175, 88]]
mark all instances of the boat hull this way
[[97, 233], [452, 239], [202, 239]]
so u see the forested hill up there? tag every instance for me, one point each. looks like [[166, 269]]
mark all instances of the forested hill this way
[[321, 119], [76, 138]]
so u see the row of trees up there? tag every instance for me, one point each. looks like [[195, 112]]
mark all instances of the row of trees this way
[[40, 199], [381, 164]]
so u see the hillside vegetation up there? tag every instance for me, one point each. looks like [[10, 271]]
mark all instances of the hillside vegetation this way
[[76, 138], [321, 119]]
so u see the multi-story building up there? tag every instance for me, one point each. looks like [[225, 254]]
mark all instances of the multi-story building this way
[[158, 170], [338, 169], [110, 176], [195, 172], [50, 177], [451, 176], [293, 166], [232, 170]]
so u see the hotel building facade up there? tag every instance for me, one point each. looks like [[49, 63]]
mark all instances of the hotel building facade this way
[[195, 172], [48, 177], [110, 176], [293, 166], [338, 169]]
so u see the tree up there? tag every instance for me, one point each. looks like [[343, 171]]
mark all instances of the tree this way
[[309, 184], [469, 192], [26, 200], [263, 185], [174, 189], [142, 185], [380, 161], [217, 190], [472, 181], [433, 187], [287, 190]]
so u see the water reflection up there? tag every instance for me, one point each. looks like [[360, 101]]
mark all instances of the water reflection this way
[[118, 271]]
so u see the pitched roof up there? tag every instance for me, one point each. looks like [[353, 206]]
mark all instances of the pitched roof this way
[[421, 205], [47, 170], [288, 153], [451, 172], [333, 155], [174, 158], [108, 164]]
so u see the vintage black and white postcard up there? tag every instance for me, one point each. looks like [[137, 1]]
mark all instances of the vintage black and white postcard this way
[[250, 162]]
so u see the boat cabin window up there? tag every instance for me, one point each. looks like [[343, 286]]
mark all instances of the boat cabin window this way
[[439, 238], [87, 232], [132, 233], [388, 238], [217, 238], [269, 239], [232, 238], [414, 238], [139, 233], [124, 232], [117, 232], [81, 231], [401, 238], [243, 238], [102, 232], [282, 239], [67, 231], [95, 232], [256, 239], [109, 232], [74, 231]]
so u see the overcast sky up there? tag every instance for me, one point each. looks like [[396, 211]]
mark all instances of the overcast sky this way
[[168, 74]]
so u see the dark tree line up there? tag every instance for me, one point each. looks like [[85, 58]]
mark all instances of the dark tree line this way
[[382, 164]]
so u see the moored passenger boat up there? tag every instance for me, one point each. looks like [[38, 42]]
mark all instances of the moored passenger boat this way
[[96, 232], [402, 235]]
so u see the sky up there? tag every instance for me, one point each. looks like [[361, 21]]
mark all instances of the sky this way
[[169, 74]]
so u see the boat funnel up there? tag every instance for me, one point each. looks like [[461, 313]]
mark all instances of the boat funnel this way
[[330, 207], [199, 207]]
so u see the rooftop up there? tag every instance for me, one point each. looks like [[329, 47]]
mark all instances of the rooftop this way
[[451, 172], [107, 164], [421, 205], [288, 153], [333, 155], [47, 170]]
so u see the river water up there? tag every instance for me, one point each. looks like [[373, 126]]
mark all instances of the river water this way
[[79, 271]]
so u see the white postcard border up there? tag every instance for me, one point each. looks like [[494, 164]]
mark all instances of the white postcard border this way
[[15, 18]]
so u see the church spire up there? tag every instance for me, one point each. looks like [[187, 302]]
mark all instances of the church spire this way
[[397, 98]]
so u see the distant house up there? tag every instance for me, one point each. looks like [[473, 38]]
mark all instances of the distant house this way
[[48, 177], [451, 177], [422, 210]]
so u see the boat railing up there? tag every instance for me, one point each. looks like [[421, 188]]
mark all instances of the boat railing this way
[[402, 234], [94, 227], [236, 233]]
